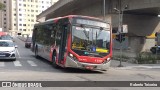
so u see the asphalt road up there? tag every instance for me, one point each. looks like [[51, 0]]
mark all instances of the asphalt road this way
[[28, 68]]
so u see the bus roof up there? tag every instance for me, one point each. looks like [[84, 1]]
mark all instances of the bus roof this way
[[69, 16]]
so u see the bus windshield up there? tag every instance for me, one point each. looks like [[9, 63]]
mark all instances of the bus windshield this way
[[90, 41]]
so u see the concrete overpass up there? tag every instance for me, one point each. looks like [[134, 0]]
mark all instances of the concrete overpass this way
[[139, 15]]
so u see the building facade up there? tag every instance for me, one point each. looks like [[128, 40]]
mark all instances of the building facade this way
[[5, 16], [19, 16]]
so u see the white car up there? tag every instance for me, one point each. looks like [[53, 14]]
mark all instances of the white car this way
[[7, 49]]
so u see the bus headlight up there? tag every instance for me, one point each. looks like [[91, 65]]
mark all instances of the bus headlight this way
[[73, 57], [106, 60]]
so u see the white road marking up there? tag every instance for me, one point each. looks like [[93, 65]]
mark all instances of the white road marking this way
[[140, 67], [1, 64], [17, 63], [155, 66], [31, 63], [18, 53]]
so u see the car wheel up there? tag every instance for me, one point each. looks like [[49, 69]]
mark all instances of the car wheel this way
[[29, 46]]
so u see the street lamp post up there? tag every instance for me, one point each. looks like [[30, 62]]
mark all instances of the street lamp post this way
[[120, 14], [120, 27], [104, 9], [104, 5], [120, 19]]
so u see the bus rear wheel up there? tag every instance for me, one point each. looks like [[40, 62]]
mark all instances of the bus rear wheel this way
[[54, 62]]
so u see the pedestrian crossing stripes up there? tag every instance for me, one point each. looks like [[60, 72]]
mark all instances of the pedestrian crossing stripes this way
[[18, 63], [31, 63]]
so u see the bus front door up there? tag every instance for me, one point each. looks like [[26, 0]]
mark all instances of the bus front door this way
[[62, 46]]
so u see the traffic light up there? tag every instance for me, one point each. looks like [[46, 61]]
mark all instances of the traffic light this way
[[156, 34], [120, 37], [123, 37]]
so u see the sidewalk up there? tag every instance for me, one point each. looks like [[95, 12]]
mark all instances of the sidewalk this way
[[127, 65]]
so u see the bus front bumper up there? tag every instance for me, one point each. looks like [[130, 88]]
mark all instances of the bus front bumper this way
[[75, 64]]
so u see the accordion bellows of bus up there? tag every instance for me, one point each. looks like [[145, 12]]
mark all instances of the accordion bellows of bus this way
[[74, 41]]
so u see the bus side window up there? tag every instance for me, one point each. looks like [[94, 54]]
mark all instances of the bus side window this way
[[58, 35], [34, 34], [38, 34], [42, 34], [53, 35], [47, 34]]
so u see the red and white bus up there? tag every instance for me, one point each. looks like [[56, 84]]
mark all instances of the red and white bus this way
[[74, 41]]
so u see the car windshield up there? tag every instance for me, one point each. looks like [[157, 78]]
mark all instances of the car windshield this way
[[6, 37], [6, 44], [90, 41]]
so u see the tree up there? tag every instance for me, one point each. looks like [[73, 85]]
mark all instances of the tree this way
[[2, 6]]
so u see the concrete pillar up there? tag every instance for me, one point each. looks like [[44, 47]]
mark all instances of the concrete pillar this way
[[139, 26]]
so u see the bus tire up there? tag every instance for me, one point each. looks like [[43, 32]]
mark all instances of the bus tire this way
[[36, 53], [54, 62]]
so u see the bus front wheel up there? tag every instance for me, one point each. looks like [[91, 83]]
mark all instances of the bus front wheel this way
[[54, 62]]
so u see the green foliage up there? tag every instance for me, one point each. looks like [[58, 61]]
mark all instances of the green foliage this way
[[147, 58], [124, 57], [2, 6]]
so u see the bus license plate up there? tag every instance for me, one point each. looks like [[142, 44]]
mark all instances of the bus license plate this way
[[89, 67]]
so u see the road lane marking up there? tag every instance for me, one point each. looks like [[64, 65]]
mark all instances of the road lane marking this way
[[18, 53], [155, 66], [17, 63], [140, 67], [1, 64], [31, 63]]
